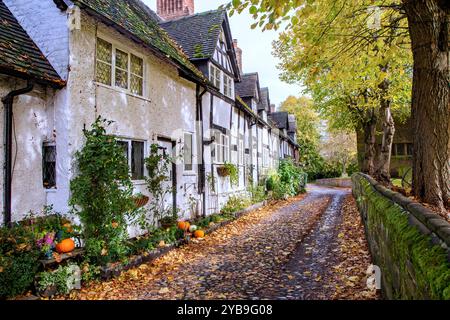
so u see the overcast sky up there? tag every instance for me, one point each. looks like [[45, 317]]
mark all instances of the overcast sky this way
[[257, 50]]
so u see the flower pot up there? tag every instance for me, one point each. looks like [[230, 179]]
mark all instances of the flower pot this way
[[223, 171], [48, 292], [166, 222], [141, 201]]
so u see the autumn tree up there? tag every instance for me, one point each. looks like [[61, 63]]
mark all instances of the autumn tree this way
[[367, 79], [308, 135], [339, 146], [428, 32]]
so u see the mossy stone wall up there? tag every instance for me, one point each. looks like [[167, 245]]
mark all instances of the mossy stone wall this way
[[409, 243]]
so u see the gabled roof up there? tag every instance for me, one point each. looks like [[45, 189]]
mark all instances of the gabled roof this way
[[19, 55], [249, 86], [264, 103], [136, 20], [199, 33], [280, 119]]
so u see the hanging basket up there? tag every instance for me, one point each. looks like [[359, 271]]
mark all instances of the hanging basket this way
[[223, 171], [141, 201]]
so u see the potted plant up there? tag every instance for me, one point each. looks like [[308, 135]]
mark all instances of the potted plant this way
[[168, 218], [46, 244], [229, 169], [140, 200], [223, 171]]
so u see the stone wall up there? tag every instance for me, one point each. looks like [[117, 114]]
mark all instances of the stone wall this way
[[409, 243], [335, 182]]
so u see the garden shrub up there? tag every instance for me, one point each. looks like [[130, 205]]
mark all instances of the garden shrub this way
[[235, 204], [19, 260], [63, 279], [258, 193], [289, 180], [102, 195], [213, 218]]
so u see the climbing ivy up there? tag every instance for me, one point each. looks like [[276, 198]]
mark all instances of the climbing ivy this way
[[102, 194], [158, 184]]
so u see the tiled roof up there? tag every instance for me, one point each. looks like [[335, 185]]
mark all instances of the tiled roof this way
[[264, 103], [19, 55], [248, 86], [280, 119], [197, 34], [249, 110], [135, 18]]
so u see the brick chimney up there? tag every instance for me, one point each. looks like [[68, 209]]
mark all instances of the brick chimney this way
[[272, 108], [172, 9], [238, 55]]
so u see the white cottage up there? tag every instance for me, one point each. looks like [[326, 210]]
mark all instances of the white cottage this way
[[177, 83], [118, 63]]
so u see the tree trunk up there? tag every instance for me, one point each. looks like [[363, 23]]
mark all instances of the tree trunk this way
[[383, 172], [429, 30], [370, 129]]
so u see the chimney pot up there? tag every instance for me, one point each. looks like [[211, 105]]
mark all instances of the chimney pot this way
[[238, 55], [173, 9]]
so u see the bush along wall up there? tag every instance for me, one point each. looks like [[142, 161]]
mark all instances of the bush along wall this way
[[409, 243]]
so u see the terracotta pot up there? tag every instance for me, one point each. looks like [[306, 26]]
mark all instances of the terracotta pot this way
[[141, 201], [223, 171]]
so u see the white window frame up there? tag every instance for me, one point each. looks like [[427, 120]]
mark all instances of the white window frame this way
[[130, 154], [266, 155], [215, 76], [192, 152], [241, 152], [116, 46], [224, 145], [228, 85]]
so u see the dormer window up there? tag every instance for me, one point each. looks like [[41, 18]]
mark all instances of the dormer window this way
[[215, 76], [222, 81], [119, 68]]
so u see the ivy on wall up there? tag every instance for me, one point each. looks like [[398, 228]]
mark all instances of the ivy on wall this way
[[412, 266]]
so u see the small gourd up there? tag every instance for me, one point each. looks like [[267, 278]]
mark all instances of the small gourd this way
[[192, 228]]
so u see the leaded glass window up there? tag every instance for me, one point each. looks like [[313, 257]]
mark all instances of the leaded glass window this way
[[49, 166], [137, 75], [104, 62], [121, 69]]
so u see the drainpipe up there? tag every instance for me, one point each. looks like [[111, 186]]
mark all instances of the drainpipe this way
[[201, 166], [8, 103]]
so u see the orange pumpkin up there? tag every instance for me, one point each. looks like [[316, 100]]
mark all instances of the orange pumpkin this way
[[199, 234], [183, 225], [65, 246]]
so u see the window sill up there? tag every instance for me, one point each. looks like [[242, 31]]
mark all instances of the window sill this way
[[118, 90], [50, 190], [189, 173], [138, 182]]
